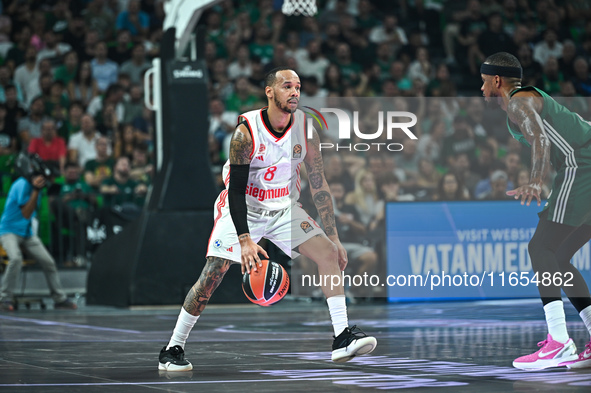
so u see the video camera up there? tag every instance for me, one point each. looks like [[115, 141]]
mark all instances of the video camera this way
[[31, 165]]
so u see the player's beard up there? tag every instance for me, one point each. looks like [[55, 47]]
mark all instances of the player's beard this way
[[282, 107]]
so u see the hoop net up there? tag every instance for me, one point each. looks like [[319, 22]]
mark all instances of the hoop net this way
[[299, 7]]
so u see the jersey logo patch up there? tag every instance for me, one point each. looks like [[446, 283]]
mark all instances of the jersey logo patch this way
[[297, 151], [259, 158], [306, 226], [217, 243], [262, 148]]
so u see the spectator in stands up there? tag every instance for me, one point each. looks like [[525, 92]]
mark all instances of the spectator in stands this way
[[75, 34], [421, 68], [549, 47], [73, 209], [6, 81], [67, 72], [91, 39], [364, 197], [83, 87], [408, 161], [463, 140], [120, 188], [16, 233], [430, 145], [42, 84], [125, 141], [362, 259], [8, 139], [14, 110], [472, 25], [294, 48], [398, 75], [137, 65], [350, 70], [582, 80], [389, 32], [242, 65], [16, 55], [49, 146], [427, 178], [498, 191], [114, 96], [53, 50], [134, 106], [121, 51], [141, 168], [408, 53], [27, 72], [532, 70], [57, 104], [242, 99], [101, 167], [104, 71], [262, 46], [513, 165], [222, 122], [29, 127], [97, 19], [366, 16], [134, 20], [461, 166], [71, 124], [492, 40], [107, 123], [82, 145], [450, 188], [313, 63], [552, 76], [426, 21], [279, 58], [486, 161], [220, 86], [566, 63]]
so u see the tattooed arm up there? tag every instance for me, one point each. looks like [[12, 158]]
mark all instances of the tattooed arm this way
[[524, 110], [321, 194], [241, 147]]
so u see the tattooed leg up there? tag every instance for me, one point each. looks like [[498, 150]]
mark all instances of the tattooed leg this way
[[211, 276]]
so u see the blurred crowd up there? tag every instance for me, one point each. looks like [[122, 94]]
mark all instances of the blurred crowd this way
[[71, 91]]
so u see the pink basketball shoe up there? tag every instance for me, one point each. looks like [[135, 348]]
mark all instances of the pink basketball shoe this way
[[583, 361], [551, 354]]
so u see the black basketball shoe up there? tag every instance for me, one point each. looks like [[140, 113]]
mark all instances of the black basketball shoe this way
[[173, 359], [350, 343]]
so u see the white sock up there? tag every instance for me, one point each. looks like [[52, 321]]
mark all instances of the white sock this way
[[338, 313], [184, 324], [556, 321], [586, 317]]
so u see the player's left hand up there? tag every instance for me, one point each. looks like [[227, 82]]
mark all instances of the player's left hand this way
[[342, 254], [527, 193]]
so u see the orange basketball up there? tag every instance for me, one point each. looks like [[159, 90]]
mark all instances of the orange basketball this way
[[267, 285]]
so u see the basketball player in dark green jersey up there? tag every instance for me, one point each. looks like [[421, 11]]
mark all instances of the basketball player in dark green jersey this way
[[560, 138]]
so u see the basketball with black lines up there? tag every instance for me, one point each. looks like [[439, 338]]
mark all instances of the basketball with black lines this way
[[267, 285]]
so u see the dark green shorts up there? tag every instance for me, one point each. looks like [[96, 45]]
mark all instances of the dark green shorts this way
[[570, 200]]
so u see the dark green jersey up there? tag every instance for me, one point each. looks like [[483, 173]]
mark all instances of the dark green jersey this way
[[566, 130]]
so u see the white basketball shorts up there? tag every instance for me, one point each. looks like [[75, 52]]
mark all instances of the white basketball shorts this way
[[287, 229]]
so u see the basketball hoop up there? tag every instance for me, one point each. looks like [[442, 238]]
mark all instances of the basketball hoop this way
[[299, 7]]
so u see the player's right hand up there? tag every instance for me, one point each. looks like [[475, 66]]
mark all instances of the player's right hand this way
[[38, 182], [527, 193], [250, 254]]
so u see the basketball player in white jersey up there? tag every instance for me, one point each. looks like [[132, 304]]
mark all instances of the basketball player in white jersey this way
[[262, 178]]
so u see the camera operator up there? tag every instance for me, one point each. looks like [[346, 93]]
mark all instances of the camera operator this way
[[16, 232]]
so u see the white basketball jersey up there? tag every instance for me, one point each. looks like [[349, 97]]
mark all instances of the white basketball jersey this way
[[274, 177]]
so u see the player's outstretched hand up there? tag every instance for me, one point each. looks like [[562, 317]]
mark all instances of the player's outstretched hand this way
[[250, 254], [527, 193]]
